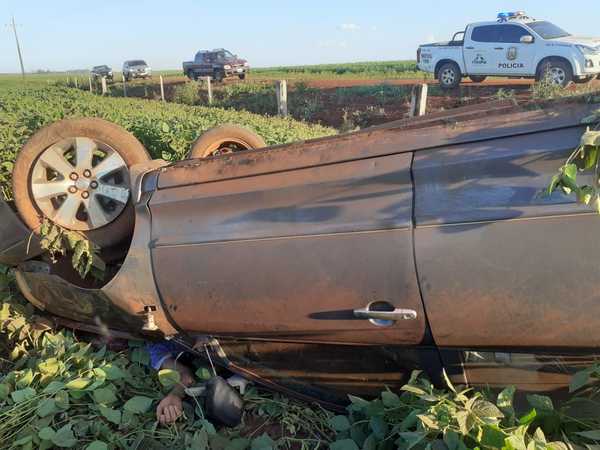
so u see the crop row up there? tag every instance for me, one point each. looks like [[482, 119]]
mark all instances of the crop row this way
[[166, 130]]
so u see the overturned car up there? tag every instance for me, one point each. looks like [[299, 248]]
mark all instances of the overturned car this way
[[328, 266]]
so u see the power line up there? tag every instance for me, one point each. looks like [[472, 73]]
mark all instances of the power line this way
[[13, 25]]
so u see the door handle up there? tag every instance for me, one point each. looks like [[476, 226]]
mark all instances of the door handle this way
[[396, 314], [499, 48], [470, 48]]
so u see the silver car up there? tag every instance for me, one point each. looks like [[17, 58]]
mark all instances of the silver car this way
[[136, 68]]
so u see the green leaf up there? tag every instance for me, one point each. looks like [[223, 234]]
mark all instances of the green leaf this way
[[515, 442], [53, 387], [165, 127], [505, 400], [140, 356], [112, 415], [46, 433], [97, 445], [429, 421], [113, 372], [339, 423], [390, 399], [570, 171], [47, 407], [484, 409], [379, 426], [465, 421], [540, 402], [22, 395], [580, 379], [64, 437], [138, 404], [492, 436], [104, 396], [24, 379], [357, 403], [593, 435], [238, 444], [344, 444], [591, 157], [585, 194], [169, 378], [203, 373], [451, 439], [412, 438], [262, 442], [78, 384], [4, 391], [62, 400], [528, 418]]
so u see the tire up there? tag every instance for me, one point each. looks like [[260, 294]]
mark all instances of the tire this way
[[560, 72], [242, 76], [225, 139], [477, 78], [449, 75], [54, 147]]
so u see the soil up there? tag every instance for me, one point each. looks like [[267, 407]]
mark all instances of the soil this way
[[353, 111]]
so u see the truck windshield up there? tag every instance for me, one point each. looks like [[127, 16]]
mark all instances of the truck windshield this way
[[137, 62], [548, 30]]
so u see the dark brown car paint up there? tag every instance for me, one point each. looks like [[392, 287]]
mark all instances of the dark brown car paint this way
[[248, 248]]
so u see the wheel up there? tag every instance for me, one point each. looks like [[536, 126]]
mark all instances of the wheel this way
[[477, 78], [242, 76], [218, 76], [449, 75], [76, 174], [225, 139], [557, 72]]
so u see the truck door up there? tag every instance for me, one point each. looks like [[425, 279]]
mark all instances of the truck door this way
[[515, 58], [481, 50]]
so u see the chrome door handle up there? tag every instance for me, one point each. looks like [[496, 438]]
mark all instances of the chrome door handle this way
[[470, 48], [396, 314], [499, 48]]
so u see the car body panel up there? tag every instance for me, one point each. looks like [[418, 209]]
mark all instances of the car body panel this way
[[291, 254], [17, 243]]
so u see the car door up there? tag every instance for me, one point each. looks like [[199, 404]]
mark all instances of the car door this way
[[300, 245], [481, 49], [515, 58], [501, 265]]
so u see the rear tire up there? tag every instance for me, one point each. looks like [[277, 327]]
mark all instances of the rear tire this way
[[242, 76], [225, 139], [477, 78], [218, 76], [449, 75], [43, 186], [558, 72]]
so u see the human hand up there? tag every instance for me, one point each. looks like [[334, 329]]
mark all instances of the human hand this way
[[169, 409]]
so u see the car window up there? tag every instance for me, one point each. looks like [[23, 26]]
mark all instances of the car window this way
[[512, 34], [548, 30], [486, 33]]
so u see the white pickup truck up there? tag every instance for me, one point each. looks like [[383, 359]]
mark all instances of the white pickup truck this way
[[513, 46]]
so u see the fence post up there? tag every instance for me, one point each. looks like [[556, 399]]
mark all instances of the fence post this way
[[76, 84], [208, 90], [418, 100], [422, 109], [68, 81], [281, 92], [104, 88], [124, 86], [162, 88], [90, 80]]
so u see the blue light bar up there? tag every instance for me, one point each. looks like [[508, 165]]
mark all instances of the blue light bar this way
[[506, 16]]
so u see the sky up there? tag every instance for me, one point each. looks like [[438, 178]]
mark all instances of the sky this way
[[75, 34]]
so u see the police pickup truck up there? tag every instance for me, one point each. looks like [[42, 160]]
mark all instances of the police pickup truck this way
[[514, 45]]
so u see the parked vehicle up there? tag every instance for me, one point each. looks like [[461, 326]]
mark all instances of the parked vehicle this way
[[98, 72], [136, 68], [333, 265], [514, 46], [218, 64]]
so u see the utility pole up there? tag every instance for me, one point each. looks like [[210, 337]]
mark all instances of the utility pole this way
[[13, 25]]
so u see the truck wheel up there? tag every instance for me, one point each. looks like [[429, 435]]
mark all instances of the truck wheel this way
[[242, 76], [557, 72], [225, 139], [449, 75], [477, 78], [75, 173]]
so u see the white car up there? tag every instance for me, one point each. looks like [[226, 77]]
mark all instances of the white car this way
[[513, 46], [136, 68]]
